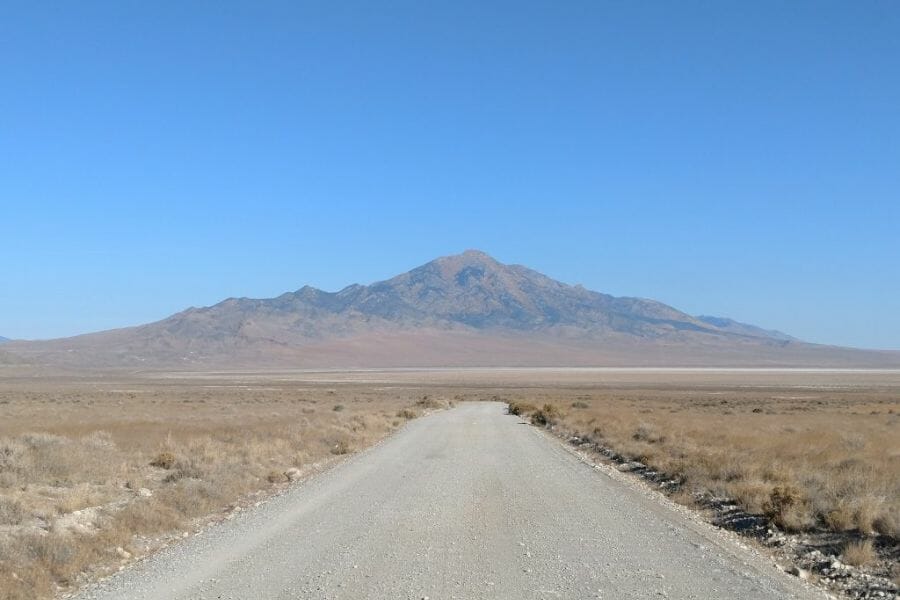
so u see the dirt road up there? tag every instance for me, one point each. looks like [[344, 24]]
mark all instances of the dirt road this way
[[466, 503]]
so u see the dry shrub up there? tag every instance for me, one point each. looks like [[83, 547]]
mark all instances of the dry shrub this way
[[148, 516], [407, 413], [546, 416], [520, 409], [888, 523], [79, 497], [28, 584], [648, 433], [11, 511], [859, 554], [43, 558], [684, 497], [192, 498], [427, 402], [164, 460], [42, 458], [277, 477], [841, 518], [867, 512], [11, 461], [788, 508], [752, 495], [192, 467], [595, 435], [341, 447]]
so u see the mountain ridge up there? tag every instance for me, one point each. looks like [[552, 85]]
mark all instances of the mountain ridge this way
[[520, 303], [466, 309]]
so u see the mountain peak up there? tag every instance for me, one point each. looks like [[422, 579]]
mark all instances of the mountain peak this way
[[474, 253], [469, 257]]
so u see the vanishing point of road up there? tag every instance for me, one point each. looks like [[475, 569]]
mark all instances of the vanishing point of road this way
[[465, 503]]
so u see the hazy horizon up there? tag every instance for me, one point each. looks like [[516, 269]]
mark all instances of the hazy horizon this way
[[729, 160]]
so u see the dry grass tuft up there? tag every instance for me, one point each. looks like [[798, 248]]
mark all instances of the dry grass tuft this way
[[859, 554], [11, 511], [341, 447], [407, 413], [520, 409], [164, 460], [429, 402], [648, 433], [78, 497], [888, 523], [788, 508], [277, 477], [546, 416]]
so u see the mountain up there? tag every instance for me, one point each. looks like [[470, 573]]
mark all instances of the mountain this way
[[733, 326], [5, 357], [462, 310]]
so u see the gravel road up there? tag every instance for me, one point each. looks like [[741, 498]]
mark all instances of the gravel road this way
[[465, 503]]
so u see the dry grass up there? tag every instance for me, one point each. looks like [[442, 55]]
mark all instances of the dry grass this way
[[517, 407], [79, 456], [821, 456], [86, 468], [546, 416], [859, 554], [407, 413]]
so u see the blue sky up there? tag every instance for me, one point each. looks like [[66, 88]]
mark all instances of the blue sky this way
[[738, 159]]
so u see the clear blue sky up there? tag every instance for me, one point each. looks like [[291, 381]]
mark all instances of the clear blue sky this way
[[728, 158]]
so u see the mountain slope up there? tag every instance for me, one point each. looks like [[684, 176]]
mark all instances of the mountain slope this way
[[466, 309], [733, 326], [470, 290]]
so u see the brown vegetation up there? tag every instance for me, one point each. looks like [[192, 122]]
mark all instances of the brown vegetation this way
[[822, 460], [859, 554], [816, 454], [94, 473], [519, 408], [824, 457], [93, 465], [546, 416]]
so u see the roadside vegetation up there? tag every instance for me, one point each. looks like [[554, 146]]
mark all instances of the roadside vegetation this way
[[95, 473], [92, 477], [803, 462], [808, 460]]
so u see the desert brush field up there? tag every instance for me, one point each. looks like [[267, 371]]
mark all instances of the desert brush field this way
[[817, 457], [96, 471]]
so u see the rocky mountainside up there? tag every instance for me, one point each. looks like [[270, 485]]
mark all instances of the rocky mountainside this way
[[466, 291], [733, 326], [467, 309]]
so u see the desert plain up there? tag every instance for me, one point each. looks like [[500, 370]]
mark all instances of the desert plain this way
[[99, 469]]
